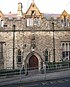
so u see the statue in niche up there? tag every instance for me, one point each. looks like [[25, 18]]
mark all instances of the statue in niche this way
[[33, 42]]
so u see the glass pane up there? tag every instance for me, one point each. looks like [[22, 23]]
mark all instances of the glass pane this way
[[66, 53], [46, 58], [0, 23], [64, 20], [63, 54], [1, 50], [19, 58], [69, 55], [37, 22], [61, 21], [69, 46], [27, 22], [46, 55], [66, 46], [31, 22], [63, 46]]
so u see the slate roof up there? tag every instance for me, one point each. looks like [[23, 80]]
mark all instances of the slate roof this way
[[46, 15]]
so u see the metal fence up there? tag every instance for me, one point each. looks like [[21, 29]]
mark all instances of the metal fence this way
[[34, 70], [8, 76]]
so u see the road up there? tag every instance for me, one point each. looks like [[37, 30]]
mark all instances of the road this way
[[53, 83]]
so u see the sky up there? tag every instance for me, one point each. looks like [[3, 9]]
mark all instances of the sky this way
[[44, 6]]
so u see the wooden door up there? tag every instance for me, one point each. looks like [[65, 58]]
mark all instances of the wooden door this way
[[33, 62]]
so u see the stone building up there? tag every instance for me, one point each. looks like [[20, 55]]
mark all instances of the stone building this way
[[33, 38]]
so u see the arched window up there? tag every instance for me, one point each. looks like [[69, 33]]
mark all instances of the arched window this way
[[66, 46], [65, 21], [19, 57], [69, 46], [65, 51], [62, 46], [46, 55]]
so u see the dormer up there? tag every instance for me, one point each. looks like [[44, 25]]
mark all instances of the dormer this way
[[64, 13], [1, 14], [1, 19], [33, 16], [33, 11], [64, 17]]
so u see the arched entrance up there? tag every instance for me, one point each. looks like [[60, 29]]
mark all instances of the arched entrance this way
[[33, 59], [33, 62]]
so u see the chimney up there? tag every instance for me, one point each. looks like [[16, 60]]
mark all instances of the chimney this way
[[20, 9]]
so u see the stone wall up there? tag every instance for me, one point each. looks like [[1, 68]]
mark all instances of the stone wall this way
[[43, 40]]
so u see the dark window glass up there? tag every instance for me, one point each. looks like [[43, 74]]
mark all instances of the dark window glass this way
[[19, 56], [1, 50], [69, 55], [63, 54], [66, 53], [64, 20], [46, 55], [61, 21], [5, 25]]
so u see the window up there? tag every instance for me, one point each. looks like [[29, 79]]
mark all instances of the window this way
[[1, 23], [33, 22], [19, 56], [5, 25], [66, 51], [33, 12], [62, 21], [37, 22], [1, 50], [46, 55], [65, 21], [29, 22]]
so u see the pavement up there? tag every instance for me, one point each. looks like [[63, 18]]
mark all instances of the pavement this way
[[34, 77]]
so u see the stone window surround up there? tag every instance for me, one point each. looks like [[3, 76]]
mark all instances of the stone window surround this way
[[65, 50]]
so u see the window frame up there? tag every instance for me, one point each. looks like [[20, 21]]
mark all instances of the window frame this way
[[19, 56], [31, 22], [65, 51], [46, 56]]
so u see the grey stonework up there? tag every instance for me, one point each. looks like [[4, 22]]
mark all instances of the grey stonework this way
[[43, 39]]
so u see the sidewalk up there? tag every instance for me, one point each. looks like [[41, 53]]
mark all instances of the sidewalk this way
[[36, 77]]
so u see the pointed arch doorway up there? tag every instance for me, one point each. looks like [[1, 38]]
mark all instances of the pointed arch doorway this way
[[33, 62], [33, 59]]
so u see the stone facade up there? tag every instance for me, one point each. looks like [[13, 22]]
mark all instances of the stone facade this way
[[33, 33]]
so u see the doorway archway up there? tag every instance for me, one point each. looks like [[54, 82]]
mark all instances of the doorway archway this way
[[33, 59]]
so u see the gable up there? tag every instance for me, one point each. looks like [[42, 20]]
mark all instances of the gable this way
[[64, 13], [33, 10], [1, 14]]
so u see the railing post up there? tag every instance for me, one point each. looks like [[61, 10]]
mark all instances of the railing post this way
[[45, 70], [13, 44], [53, 42]]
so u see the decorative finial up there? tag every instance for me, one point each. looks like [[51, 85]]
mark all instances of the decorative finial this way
[[33, 1]]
